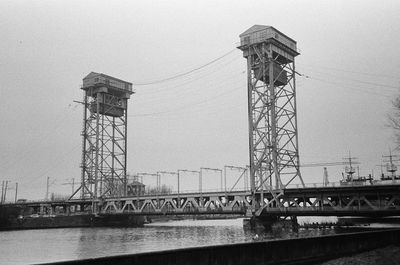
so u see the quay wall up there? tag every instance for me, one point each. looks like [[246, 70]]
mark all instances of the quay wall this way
[[287, 251]]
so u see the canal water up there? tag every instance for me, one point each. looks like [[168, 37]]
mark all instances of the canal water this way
[[50, 245]]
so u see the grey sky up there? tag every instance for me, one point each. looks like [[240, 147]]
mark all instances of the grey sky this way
[[348, 48]]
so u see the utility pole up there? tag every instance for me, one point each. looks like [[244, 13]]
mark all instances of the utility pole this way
[[169, 173], [16, 192], [153, 175], [72, 183], [193, 172], [2, 192], [325, 180], [243, 170], [47, 189], [5, 191]]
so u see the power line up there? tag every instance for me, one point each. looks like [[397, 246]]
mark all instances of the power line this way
[[207, 85], [189, 80], [184, 73], [356, 80], [325, 164], [354, 72], [341, 85], [187, 105]]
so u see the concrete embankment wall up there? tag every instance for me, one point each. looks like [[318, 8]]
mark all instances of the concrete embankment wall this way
[[288, 251]]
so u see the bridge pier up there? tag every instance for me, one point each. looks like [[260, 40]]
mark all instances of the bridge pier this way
[[270, 222]]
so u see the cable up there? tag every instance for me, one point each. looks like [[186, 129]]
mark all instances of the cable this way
[[336, 83], [327, 164], [188, 80], [194, 88], [184, 73], [187, 105], [355, 72], [356, 80]]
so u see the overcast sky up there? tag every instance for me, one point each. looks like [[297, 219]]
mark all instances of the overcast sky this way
[[349, 49]]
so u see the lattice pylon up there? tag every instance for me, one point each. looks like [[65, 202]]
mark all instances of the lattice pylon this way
[[104, 151], [273, 138]]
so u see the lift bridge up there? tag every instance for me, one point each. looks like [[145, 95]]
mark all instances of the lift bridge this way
[[276, 187]]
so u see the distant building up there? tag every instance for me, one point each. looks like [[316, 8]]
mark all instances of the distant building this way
[[136, 188]]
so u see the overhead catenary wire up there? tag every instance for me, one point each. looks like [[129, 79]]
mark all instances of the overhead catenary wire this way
[[209, 72], [195, 88], [184, 73], [188, 105], [366, 90], [381, 85], [325, 164], [205, 88], [353, 72]]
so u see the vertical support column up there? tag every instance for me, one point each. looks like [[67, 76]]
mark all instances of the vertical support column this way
[[201, 188], [16, 192], [251, 133], [179, 197], [273, 118], [96, 168], [225, 181], [113, 155], [125, 151], [222, 185], [201, 182], [83, 164], [2, 192], [102, 158], [297, 164]]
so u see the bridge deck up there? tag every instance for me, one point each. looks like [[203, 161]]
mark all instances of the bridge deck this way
[[335, 200]]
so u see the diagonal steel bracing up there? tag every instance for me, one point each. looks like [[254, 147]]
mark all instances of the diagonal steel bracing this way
[[104, 137], [273, 140]]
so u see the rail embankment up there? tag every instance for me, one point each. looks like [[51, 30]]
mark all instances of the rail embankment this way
[[288, 251]]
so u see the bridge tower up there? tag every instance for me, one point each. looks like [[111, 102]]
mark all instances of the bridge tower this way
[[273, 139], [104, 148]]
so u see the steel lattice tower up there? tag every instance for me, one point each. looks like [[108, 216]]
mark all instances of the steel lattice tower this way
[[273, 139], [104, 147]]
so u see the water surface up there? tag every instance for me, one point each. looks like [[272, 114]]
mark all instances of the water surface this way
[[50, 245]]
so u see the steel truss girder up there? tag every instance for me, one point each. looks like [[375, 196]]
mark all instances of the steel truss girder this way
[[230, 203], [334, 203]]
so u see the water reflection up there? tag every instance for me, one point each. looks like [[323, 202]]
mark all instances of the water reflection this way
[[80, 243]]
